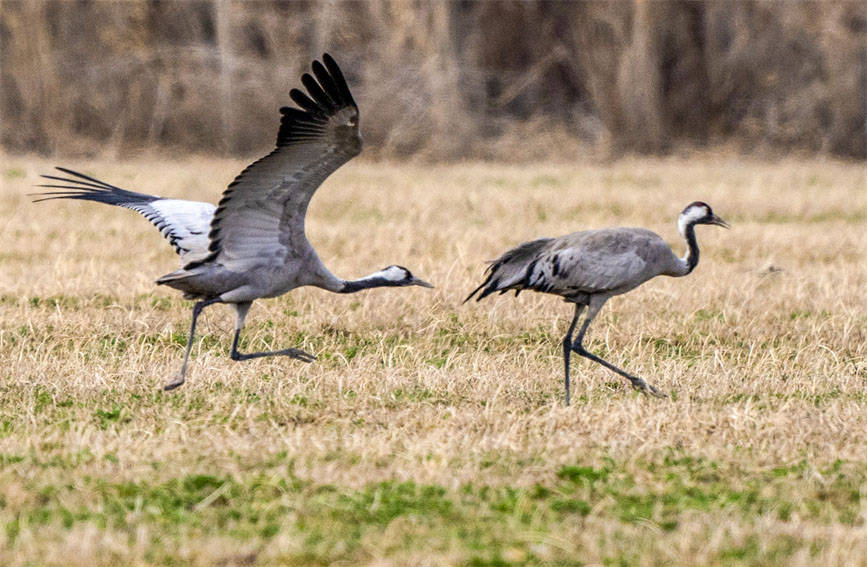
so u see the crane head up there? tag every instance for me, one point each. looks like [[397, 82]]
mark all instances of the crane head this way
[[400, 276], [698, 213]]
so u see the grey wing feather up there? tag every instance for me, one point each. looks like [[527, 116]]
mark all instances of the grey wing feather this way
[[611, 260], [260, 217], [183, 223]]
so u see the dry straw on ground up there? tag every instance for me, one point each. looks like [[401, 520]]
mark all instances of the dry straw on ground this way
[[431, 432]]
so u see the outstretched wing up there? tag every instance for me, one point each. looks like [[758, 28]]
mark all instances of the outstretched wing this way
[[260, 217], [183, 223]]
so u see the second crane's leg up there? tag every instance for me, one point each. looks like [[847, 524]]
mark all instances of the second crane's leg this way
[[241, 310], [578, 347], [179, 377], [567, 346]]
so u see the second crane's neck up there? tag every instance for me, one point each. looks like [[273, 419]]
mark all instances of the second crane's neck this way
[[690, 260]]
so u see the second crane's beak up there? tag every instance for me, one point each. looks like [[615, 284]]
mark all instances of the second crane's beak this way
[[422, 283], [718, 221]]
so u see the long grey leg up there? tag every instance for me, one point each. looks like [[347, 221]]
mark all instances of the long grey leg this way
[[241, 313], [578, 347], [567, 346], [179, 377]]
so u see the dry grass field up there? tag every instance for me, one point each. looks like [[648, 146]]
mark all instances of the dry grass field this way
[[432, 432]]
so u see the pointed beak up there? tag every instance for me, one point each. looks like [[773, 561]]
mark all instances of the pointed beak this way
[[719, 222], [422, 283]]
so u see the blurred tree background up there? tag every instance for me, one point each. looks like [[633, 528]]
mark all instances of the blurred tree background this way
[[513, 80]]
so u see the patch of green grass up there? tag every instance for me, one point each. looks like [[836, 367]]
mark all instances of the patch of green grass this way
[[7, 427], [179, 338], [161, 303], [350, 352], [112, 345], [484, 523], [63, 301], [8, 459], [675, 347], [414, 394], [582, 475], [106, 417], [708, 315], [539, 335], [41, 399]]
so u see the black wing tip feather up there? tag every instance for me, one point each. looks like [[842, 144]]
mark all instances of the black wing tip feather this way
[[327, 93], [327, 90], [90, 180], [335, 83], [318, 89], [305, 102], [337, 75], [87, 188], [71, 192]]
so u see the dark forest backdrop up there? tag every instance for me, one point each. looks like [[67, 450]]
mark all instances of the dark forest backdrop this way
[[439, 80]]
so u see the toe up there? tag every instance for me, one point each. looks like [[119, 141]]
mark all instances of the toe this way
[[654, 392], [176, 381]]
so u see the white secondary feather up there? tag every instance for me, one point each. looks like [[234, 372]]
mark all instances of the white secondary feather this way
[[184, 224]]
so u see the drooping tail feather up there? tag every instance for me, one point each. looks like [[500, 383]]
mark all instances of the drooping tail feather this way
[[475, 291], [510, 270]]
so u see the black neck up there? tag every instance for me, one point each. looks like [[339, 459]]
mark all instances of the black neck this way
[[692, 253], [352, 286]]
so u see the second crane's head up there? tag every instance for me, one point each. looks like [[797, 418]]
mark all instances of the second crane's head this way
[[698, 213]]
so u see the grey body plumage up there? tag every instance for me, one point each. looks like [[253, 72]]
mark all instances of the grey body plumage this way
[[252, 244], [589, 267]]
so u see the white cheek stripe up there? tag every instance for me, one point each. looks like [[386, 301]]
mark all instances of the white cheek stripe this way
[[690, 215], [390, 274], [393, 274]]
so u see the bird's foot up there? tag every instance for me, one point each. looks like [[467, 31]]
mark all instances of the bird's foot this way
[[297, 354], [176, 381], [645, 388], [290, 352]]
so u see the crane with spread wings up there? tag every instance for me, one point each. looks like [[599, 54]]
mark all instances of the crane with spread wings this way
[[252, 244]]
